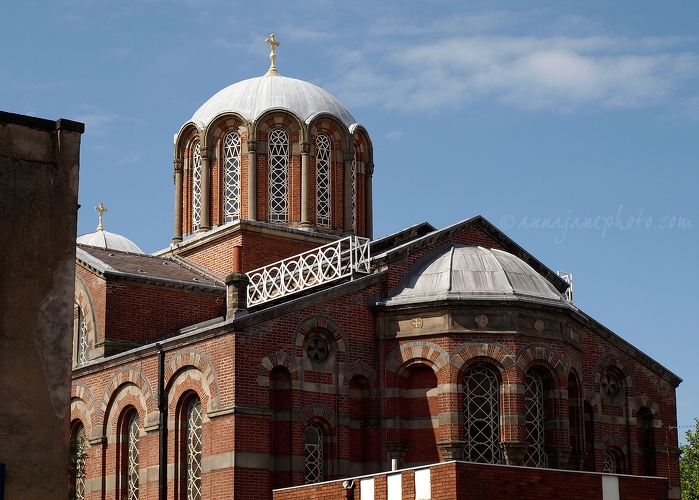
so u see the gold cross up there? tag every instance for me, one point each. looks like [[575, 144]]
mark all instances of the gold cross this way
[[273, 43], [101, 209]]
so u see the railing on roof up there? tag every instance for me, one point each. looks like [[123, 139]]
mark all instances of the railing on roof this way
[[568, 278], [313, 268]]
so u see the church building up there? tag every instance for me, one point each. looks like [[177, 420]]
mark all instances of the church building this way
[[276, 342]]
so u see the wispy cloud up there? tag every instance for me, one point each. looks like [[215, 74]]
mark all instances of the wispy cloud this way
[[527, 72]]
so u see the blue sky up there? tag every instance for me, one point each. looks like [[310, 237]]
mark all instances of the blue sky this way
[[572, 126]]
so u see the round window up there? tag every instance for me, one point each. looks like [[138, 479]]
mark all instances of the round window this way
[[317, 349]]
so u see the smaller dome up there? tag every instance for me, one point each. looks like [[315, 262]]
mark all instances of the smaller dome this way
[[460, 272], [110, 241]]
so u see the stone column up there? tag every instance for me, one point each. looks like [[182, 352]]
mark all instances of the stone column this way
[[348, 157], [252, 180], [179, 167], [305, 186], [205, 190], [369, 206], [236, 293]]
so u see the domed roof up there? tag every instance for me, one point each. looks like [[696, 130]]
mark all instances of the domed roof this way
[[251, 98], [110, 241], [460, 272]]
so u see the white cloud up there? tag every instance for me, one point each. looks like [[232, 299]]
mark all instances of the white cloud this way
[[527, 72]]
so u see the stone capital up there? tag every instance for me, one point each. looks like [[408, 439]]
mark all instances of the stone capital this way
[[205, 152], [252, 146], [305, 147], [369, 169], [179, 165], [348, 155]]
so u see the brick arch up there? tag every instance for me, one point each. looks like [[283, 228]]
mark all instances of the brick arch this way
[[417, 352], [269, 363], [495, 354], [362, 144], [124, 396], [325, 123], [188, 380], [189, 133], [316, 411], [82, 395], [224, 123], [542, 355], [575, 366], [126, 376], [200, 362], [322, 322], [646, 402], [359, 367], [615, 441], [278, 118], [611, 362]]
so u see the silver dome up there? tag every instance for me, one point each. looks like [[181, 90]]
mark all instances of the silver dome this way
[[251, 98], [460, 272], [110, 241]]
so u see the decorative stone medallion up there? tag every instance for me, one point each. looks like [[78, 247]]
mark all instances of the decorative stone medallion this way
[[481, 320], [416, 322], [539, 325], [610, 385], [317, 349]]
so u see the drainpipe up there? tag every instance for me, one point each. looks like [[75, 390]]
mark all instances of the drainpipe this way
[[162, 428]]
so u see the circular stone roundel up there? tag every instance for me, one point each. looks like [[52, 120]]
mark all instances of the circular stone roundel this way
[[610, 385], [317, 349]]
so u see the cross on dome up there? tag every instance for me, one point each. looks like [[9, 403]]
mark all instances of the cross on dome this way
[[273, 43], [101, 209]]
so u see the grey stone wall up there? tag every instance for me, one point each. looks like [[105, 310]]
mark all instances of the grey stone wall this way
[[39, 166]]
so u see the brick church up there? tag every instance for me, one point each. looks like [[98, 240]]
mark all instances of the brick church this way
[[277, 343]]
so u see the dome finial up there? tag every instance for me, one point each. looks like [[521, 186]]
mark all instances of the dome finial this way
[[273, 43], [101, 209]]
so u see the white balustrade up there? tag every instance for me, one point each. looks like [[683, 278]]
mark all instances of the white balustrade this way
[[322, 265]]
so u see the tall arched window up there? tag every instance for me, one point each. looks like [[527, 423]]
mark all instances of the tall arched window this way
[[646, 442], [231, 176], [323, 181], [482, 416], [612, 462], [194, 449], [78, 446], [196, 187], [278, 176], [534, 418], [132, 455], [83, 346], [313, 438]]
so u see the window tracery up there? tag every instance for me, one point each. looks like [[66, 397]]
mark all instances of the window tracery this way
[[278, 176], [313, 438], [83, 344], [231, 176], [323, 181], [610, 463], [534, 418], [482, 416], [194, 449], [133, 439], [196, 187]]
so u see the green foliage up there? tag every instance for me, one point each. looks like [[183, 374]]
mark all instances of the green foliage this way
[[689, 464], [78, 456]]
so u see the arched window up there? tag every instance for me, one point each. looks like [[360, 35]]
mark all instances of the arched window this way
[[323, 181], [612, 462], [132, 455], [646, 442], [313, 438], [482, 416], [196, 187], [83, 346], [194, 449], [78, 446], [231, 176], [534, 418], [278, 176], [575, 424]]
